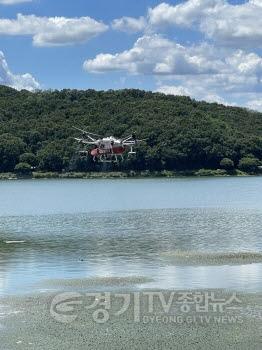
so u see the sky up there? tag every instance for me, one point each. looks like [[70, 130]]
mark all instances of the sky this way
[[206, 49]]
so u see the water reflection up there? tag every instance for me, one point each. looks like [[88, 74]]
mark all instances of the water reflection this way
[[75, 196], [123, 243]]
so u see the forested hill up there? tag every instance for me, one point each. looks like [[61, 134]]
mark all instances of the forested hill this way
[[181, 133]]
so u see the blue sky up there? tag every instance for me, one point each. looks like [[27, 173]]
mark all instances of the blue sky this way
[[62, 67], [208, 49]]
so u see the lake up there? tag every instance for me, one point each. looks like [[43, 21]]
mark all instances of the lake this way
[[180, 233]]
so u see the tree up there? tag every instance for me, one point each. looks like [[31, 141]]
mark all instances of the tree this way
[[29, 158], [249, 164], [227, 164], [180, 133], [23, 169], [52, 157], [10, 149]]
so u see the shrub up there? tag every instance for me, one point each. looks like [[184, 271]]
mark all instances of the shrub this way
[[249, 164], [10, 149], [227, 164], [210, 172], [28, 158], [23, 169]]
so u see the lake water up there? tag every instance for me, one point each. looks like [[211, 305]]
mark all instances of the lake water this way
[[182, 233]]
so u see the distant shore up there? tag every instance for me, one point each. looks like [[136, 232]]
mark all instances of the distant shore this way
[[128, 174]]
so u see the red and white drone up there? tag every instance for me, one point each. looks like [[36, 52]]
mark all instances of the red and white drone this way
[[107, 149]]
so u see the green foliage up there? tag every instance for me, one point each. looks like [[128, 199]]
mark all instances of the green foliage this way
[[52, 157], [182, 134], [249, 164], [23, 169], [227, 164], [29, 158], [10, 149], [210, 172]]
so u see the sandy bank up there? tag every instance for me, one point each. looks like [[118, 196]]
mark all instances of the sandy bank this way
[[30, 325]]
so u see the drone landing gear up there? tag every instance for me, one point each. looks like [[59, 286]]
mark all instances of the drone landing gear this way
[[109, 158], [83, 154], [131, 153]]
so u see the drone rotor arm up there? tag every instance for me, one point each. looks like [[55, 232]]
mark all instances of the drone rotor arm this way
[[87, 133], [86, 142], [130, 137], [127, 143]]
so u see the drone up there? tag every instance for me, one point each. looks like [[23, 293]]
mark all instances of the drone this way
[[107, 149]]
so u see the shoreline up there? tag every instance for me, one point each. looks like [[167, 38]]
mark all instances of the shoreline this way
[[127, 175]]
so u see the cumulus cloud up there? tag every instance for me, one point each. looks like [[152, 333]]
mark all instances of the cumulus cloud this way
[[13, 2], [184, 14], [129, 24], [195, 88], [16, 81], [256, 2], [225, 89], [255, 104], [174, 90], [153, 54], [204, 71], [53, 31], [233, 25], [156, 55], [223, 69], [246, 63]]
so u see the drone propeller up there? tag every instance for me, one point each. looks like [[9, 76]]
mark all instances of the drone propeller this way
[[87, 132], [85, 141], [130, 138]]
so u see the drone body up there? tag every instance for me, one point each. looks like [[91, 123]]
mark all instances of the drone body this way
[[107, 149]]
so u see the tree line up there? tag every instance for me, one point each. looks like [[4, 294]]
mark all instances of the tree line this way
[[182, 134]]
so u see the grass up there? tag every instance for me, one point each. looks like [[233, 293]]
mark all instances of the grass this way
[[121, 175]]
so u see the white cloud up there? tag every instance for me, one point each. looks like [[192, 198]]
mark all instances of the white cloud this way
[[53, 31], [246, 63], [233, 25], [156, 55], [19, 82], [204, 72], [153, 54], [13, 2], [256, 2], [255, 104], [184, 14], [173, 90], [129, 24], [225, 89], [192, 88]]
